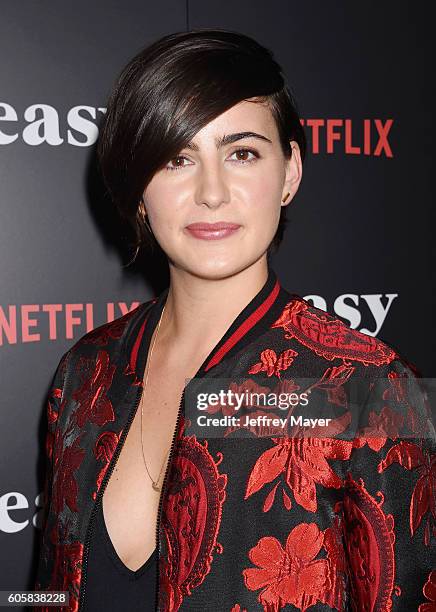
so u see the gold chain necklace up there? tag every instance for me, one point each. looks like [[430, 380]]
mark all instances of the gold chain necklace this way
[[153, 482]]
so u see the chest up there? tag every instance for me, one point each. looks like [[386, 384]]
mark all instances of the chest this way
[[130, 500]]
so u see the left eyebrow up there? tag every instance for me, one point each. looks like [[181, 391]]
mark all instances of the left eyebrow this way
[[230, 138]]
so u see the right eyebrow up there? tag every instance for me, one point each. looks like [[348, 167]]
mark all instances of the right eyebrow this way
[[229, 139]]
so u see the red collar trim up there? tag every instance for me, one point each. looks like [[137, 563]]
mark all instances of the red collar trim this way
[[245, 327]]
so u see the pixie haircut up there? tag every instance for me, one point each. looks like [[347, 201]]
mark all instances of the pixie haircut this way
[[167, 93]]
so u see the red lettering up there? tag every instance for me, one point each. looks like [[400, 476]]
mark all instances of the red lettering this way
[[52, 309], [8, 325], [331, 134], [70, 320], [383, 142], [27, 323], [348, 137], [315, 124]]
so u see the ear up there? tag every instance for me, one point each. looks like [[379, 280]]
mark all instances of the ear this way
[[293, 174]]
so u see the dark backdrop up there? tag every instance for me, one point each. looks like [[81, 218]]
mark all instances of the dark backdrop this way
[[359, 242]]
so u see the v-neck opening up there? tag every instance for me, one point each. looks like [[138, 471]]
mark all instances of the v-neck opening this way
[[114, 556]]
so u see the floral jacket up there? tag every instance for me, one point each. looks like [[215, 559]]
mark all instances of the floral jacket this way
[[255, 522]]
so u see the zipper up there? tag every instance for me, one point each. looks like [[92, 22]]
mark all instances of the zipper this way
[[159, 510], [106, 478], [100, 494]]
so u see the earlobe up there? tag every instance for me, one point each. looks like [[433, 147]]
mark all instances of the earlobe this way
[[141, 208]]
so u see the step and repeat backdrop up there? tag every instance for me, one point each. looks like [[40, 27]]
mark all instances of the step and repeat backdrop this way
[[359, 241]]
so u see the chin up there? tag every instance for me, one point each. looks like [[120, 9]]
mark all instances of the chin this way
[[214, 270], [217, 268]]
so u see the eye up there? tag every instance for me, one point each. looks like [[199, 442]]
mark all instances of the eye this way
[[178, 157], [245, 152]]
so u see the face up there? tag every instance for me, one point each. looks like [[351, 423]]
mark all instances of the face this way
[[233, 174]]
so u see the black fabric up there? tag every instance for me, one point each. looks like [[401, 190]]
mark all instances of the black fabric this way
[[111, 585]]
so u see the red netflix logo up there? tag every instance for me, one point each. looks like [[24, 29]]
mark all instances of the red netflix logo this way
[[343, 135], [22, 323]]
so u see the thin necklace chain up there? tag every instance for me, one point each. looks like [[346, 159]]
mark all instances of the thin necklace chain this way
[[154, 483]]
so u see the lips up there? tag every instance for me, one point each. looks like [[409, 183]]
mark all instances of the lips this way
[[210, 227], [212, 231]]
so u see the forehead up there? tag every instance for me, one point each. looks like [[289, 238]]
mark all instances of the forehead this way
[[244, 116]]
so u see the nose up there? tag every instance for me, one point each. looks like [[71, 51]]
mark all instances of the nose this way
[[212, 188]]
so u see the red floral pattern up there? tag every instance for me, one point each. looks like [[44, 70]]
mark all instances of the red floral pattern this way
[[191, 518], [113, 330], [329, 337], [369, 539], [381, 427], [314, 537], [411, 457], [333, 381], [292, 574], [273, 364], [429, 591], [67, 571], [103, 451], [65, 575], [302, 461], [67, 460], [94, 405]]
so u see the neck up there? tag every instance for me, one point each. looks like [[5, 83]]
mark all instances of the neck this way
[[199, 311]]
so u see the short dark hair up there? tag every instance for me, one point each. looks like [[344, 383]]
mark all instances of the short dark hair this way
[[168, 92]]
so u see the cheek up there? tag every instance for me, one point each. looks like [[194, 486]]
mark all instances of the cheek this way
[[162, 205], [263, 199]]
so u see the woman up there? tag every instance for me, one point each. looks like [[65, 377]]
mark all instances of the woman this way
[[202, 151]]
